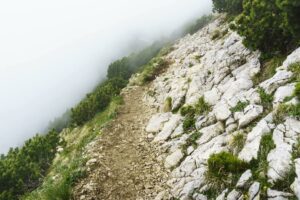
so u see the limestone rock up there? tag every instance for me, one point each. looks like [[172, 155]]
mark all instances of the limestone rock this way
[[296, 184], [156, 122], [280, 78], [278, 195], [244, 179], [292, 58], [283, 92], [222, 111], [173, 159], [251, 113], [222, 195], [280, 158], [210, 132], [212, 96], [251, 147], [254, 190], [234, 195], [168, 128]]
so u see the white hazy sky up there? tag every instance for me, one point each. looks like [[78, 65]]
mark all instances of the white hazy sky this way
[[53, 52]]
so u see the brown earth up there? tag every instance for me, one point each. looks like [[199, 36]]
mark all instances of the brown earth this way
[[125, 163]]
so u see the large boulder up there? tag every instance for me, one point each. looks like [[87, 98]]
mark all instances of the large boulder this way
[[168, 128], [251, 112], [252, 144], [280, 78], [157, 121]]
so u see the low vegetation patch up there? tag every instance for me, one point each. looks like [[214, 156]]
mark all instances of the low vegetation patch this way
[[201, 107], [238, 141], [224, 163], [216, 35], [168, 104], [285, 110], [260, 166], [266, 99], [268, 69], [68, 167], [297, 90], [191, 141], [189, 123], [295, 68], [240, 106], [224, 170]]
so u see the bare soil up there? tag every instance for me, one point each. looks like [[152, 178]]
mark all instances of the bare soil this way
[[126, 163]]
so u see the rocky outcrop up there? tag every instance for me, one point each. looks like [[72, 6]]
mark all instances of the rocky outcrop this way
[[221, 71]]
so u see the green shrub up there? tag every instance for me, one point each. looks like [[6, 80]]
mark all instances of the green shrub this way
[[23, 169], [216, 35], [168, 104], [187, 110], [96, 101], [240, 106], [266, 26], [201, 107], [189, 123], [297, 90], [238, 141], [229, 6], [224, 163]]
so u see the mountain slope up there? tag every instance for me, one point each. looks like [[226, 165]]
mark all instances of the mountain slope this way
[[209, 122]]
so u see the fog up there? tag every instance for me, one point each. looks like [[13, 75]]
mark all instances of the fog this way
[[54, 52]]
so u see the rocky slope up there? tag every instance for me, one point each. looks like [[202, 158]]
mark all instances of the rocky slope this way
[[214, 64], [151, 151]]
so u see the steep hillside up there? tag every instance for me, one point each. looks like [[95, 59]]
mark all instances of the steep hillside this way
[[235, 137], [206, 120]]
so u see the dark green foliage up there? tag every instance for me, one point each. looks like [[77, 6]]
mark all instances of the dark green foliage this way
[[291, 15], [271, 26], [189, 123], [201, 107], [223, 163], [22, 169], [224, 170], [199, 24], [187, 110], [97, 101], [228, 6], [240, 106]]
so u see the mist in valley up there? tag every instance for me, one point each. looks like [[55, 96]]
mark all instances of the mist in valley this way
[[53, 53]]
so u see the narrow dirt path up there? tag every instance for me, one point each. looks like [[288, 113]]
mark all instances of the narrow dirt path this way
[[127, 165]]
